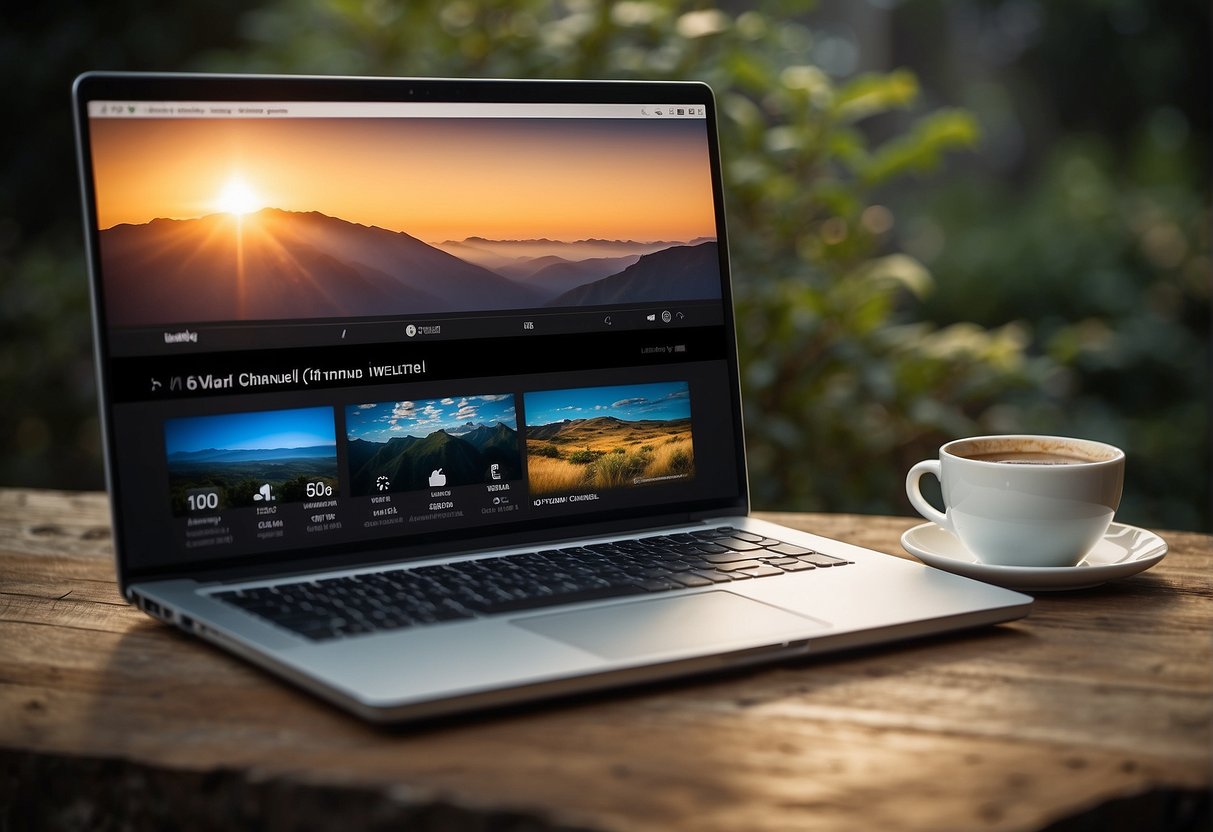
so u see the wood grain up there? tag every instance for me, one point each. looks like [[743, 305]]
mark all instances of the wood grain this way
[[1101, 698]]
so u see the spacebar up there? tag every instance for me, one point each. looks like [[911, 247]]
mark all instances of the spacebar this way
[[536, 601]]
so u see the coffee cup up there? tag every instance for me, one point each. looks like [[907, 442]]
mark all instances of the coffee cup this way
[[1023, 500]]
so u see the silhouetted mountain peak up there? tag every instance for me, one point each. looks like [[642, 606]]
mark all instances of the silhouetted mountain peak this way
[[292, 264], [677, 273]]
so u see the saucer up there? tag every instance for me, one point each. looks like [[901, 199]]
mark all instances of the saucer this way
[[1123, 551]]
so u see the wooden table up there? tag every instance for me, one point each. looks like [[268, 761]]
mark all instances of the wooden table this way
[[1093, 711]]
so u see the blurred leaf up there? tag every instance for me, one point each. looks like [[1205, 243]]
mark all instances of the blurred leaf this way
[[870, 94], [898, 270], [923, 148]]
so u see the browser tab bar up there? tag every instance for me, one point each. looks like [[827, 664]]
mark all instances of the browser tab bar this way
[[382, 109]]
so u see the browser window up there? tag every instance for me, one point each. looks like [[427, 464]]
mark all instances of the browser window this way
[[350, 321]]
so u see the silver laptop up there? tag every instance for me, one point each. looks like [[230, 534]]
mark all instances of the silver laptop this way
[[423, 394]]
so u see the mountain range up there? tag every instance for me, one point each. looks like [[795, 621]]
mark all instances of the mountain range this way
[[277, 264], [253, 454], [586, 431], [408, 461], [679, 272]]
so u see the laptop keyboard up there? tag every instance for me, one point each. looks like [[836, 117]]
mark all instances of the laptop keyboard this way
[[412, 596]]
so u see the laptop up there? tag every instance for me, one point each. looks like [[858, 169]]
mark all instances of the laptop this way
[[423, 394]]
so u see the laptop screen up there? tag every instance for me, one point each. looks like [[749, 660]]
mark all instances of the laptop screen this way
[[345, 316]]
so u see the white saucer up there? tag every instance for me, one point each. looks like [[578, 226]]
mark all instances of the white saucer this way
[[1123, 551]]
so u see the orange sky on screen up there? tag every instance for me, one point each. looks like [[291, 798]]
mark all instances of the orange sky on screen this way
[[434, 179]]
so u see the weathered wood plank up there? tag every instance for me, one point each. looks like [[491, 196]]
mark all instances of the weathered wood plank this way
[[55, 522]]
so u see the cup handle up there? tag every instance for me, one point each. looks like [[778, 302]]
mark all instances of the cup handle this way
[[914, 492]]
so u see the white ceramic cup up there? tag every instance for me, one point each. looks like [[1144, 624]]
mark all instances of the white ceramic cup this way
[[1011, 506]]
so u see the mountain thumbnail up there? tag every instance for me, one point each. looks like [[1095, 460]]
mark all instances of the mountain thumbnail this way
[[607, 452]]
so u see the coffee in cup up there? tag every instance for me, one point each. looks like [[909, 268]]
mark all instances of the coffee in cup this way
[[1023, 500]]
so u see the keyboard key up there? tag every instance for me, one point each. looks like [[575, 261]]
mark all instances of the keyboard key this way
[[714, 576], [762, 571], [729, 557], [818, 559], [691, 579], [741, 564], [658, 584], [789, 549], [737, 544]]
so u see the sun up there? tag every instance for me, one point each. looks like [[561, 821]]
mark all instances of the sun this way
[[237, 198]]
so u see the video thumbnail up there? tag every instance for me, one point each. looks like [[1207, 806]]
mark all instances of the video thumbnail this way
[[250, 459], [608, 437], [435, 443]]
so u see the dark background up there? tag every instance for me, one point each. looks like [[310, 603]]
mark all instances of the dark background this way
[[1052, 270]]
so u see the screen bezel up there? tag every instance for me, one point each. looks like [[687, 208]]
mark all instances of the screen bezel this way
[[205, 87]]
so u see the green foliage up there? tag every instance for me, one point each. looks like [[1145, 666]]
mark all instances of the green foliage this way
[[549, 450], [584, 457]]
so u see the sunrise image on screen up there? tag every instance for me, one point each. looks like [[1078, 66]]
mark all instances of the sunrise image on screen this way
[[248, 219]]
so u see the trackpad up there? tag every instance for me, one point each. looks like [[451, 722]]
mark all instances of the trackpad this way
[[709, 620]]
